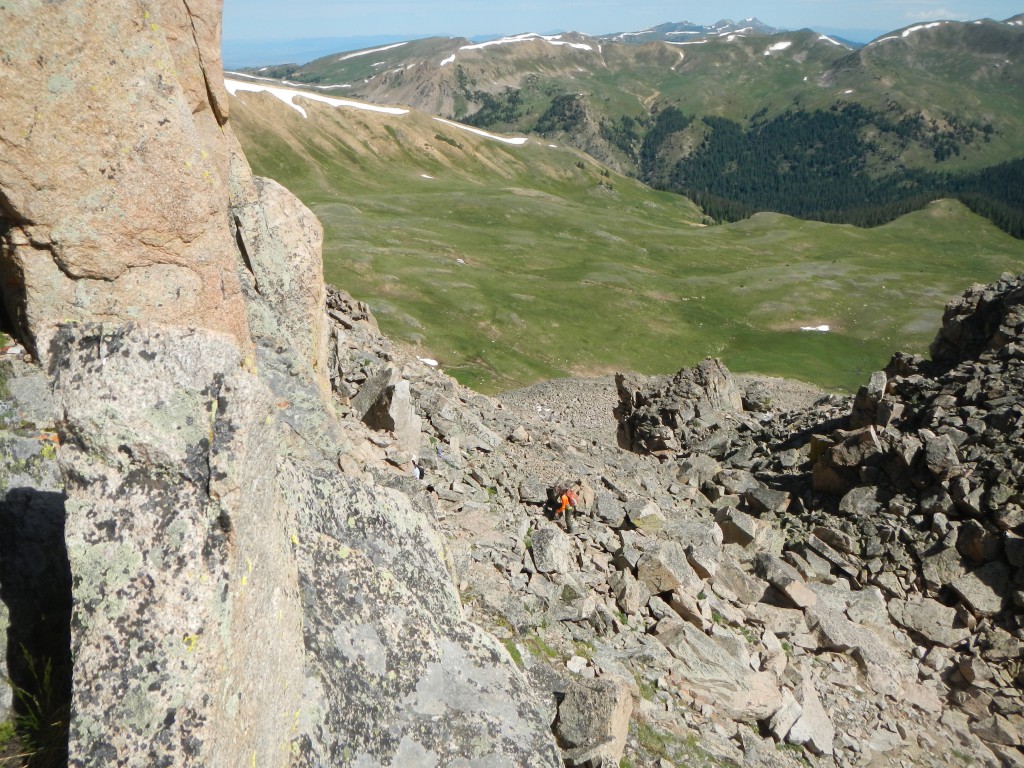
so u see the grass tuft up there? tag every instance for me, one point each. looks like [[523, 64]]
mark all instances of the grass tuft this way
[[39, 732]]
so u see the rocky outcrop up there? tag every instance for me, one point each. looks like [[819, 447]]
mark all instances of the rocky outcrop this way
[[985, 319], [663, 414], [243, 591], [114, 170]]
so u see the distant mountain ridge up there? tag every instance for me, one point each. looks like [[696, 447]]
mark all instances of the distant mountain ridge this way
[[738, 116], [680, 31], [730, 69]]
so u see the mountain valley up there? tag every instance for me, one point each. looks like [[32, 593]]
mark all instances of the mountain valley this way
[[515, 262]]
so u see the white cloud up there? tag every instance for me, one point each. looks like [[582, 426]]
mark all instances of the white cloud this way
[[934, 13]]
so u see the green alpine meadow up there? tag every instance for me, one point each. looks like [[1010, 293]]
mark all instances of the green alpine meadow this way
[[512, 263]]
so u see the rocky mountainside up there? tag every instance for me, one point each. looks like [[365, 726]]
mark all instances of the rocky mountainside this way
[[272, 537], [767, 566], [188, 576]]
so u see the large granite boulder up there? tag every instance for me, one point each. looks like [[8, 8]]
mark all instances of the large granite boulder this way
[[114, 174], [400, 677], [236, 594], [665, 413]]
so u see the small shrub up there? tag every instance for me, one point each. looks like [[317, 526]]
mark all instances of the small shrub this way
[[7, 733], [447, 140], [540, 648], [584, 649]]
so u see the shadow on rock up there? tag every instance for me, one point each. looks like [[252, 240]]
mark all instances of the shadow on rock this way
[[35, 586]]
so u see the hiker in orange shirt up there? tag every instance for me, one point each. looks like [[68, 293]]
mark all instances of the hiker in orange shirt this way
[[567, 503]]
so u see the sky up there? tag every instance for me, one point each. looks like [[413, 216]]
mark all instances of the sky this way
[[859, 20]]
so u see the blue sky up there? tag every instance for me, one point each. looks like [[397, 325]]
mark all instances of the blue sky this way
[[857, 19]]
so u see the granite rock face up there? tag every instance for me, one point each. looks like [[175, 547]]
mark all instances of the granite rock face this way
[[114, 174], [402, 677], [236, 594], [186, 631]]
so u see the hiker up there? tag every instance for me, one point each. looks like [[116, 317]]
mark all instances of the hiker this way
[[566, 502]]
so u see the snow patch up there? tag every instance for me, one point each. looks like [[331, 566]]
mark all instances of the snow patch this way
[[910, 30], [428, 361], [449, 60], [426, 176], [828, 39], [515, 140], [550, 39], [367, 52], [692, 42], [283, 82], [288, 96], [848, 92], [778, 47], [816, 328], [254, 77]]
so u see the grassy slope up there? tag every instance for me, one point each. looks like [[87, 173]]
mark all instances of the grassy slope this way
[[561, 275]]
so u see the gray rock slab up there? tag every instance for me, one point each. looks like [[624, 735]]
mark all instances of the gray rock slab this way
[[931, 619], [707, 670], [985, 589], [884, 664], [814, 728], [594, 716], [552, 550], [664, 567]]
